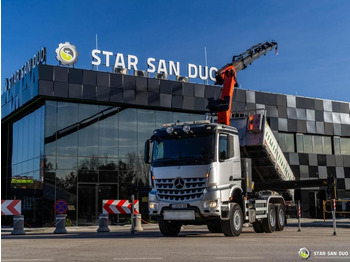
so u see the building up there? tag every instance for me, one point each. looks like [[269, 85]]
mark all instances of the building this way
[[79, 134]]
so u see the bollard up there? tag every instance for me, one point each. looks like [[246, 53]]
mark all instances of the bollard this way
[[60, 224], [299, 216], [18, 225], [103, 223], [334, 219], [138, 227]]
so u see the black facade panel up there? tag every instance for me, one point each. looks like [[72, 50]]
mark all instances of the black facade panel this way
[[273, 121], [130, 83], [270, 99], [346, 160], [259, 98], [200, 103], [165, 100], [340, 184], [240, 95], [141, 84], [116, 80], [344, 108], [303, 159], [46, 73], [103, 79], [337, 129], [318, 105], [153, 85], [177, 88], [89, 92], [282, 111], [328, 129], [301, 126], [209, 92], [321, 160], [291, 113], [60, 89], [305, 103], [250, 106], [330, 160], [177, 101], [129, 96], [296, 171], [339, 160], [199, 90], [75, 91], [102, 93], [45, 88], [187, 89], [61, 74], [189, 103], [313, 171], [335, 107], [271, 111], [89, 77], [292, 125], [141, 97], [165, 87], [75, 76], [347, 172], [116, 95], [281, 100], [153, 99], [319, 116], [345, 130]]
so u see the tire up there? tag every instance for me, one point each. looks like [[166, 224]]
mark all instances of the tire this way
[[257, 225], [214, 227], [269, 223], [233, 226], [280, 217], [169, 228]]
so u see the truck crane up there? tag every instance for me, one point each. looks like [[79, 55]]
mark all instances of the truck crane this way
[[204, 172]]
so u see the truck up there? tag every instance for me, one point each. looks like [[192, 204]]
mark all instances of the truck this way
[[204, 172]]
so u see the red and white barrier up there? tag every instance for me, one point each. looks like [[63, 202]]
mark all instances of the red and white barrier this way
[[119, 207], [11, 207]]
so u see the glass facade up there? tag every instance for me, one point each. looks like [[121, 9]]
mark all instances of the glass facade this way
[[92, 152], [314, 144], [27, 152]]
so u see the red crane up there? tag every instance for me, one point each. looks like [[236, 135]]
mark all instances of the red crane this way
[[227, 76]]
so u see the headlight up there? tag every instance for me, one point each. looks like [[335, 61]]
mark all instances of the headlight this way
[[153, 205], [210, 204], [186, 128], [170, 130]]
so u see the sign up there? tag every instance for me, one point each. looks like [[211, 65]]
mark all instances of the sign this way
[[61, 206], [161, 66], [38, 58], [119, 207], [11, 207], [67, 54]]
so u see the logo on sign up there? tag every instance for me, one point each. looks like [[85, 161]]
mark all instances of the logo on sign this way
[[67, 54]]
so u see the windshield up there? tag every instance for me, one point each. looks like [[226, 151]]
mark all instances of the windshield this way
[[192, 150]]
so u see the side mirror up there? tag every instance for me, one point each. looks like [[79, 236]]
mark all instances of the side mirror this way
[[146, 156]]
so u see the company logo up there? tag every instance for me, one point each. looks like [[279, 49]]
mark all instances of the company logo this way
[[67, 54], [179, 183], [304, 253]]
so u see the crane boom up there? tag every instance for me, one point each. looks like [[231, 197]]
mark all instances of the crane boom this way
[[227, 76]]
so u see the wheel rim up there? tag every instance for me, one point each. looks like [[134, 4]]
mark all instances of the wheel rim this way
[[272, 219], [237, 220], [281, 217]]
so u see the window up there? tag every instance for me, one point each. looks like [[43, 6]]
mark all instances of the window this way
[[341, 146], [225, 146], [314, 144], [286, 142]]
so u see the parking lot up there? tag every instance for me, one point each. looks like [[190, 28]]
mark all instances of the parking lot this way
[[194, 243]]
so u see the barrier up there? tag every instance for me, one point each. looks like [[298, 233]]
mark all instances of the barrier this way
[[119, 207], [330, 211], [103, 223], [60, 224], [18, 225]]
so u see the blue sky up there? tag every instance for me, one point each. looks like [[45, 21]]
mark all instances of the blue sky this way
[[313, 37]]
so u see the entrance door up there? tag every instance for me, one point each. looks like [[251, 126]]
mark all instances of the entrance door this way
[[90, 198]]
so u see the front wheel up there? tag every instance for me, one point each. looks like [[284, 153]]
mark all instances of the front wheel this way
[[169, 228], [280, 217], [233, 226]]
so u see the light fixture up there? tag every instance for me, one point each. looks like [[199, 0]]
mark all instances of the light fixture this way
[[184, 79], [141, 73], [162, 76], [119, 70]]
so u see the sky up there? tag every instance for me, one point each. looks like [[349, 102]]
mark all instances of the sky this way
[[313, 37]]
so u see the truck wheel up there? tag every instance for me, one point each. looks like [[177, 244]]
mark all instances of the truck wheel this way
[[214, 227], [169, 228], [233, 226], [257, 225], [280, 217], [269, 223]]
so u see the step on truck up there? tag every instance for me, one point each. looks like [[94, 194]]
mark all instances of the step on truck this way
[[203, 172]]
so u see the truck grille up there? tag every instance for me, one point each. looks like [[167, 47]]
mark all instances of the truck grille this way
[[192, 190]]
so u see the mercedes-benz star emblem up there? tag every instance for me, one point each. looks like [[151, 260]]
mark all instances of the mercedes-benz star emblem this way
[[179, 183]]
